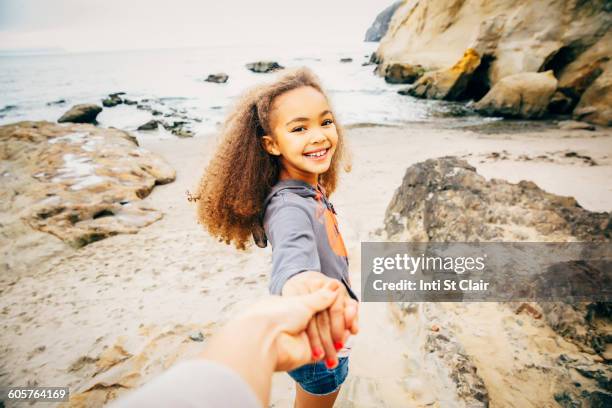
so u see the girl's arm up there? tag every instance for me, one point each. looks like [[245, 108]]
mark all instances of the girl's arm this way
[[295, 271]]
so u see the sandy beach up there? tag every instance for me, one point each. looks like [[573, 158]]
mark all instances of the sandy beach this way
[[131, 305]]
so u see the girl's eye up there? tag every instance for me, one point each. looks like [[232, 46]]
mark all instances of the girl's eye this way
[[296, 128], [327, 122]]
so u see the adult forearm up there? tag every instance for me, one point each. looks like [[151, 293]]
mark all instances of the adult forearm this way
[[247, 346]]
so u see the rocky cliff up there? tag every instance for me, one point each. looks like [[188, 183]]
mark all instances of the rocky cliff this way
[[503, 38], [379, 27]]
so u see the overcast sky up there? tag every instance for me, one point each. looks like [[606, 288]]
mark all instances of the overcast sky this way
[[88, 25]]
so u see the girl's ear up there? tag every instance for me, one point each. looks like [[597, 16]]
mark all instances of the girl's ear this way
[[270, 145]]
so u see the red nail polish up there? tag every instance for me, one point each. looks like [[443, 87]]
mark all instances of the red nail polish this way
[[330, 363], [317, 353], [338, 345]]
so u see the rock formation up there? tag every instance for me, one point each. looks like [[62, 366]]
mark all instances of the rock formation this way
[[116, 371], [524, 95], [398, 73], [180, 126], [6, 108], [150, 125], [76, 182], [83, 113], [470, 386], [445, 200], [448, 83], [570, 38], [595, 104], [219, 78], [264, 66], [113, 100], [379, 27]]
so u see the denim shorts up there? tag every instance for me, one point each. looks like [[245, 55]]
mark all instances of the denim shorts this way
[[317, 379]]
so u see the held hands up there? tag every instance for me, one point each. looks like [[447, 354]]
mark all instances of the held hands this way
[[271, 336], [285, 319], [329, 329], [313, 319]]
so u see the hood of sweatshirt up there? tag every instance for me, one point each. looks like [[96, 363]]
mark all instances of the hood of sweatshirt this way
[[299, 187]]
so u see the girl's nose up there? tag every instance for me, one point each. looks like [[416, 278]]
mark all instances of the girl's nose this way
[[317, 136]]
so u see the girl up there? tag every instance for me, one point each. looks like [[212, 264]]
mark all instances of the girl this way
[[276, 165]]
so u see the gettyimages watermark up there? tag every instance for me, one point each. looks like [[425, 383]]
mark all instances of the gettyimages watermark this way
[[486, 272]]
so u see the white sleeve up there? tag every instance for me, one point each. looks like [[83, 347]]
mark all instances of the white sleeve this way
[[192, 383]]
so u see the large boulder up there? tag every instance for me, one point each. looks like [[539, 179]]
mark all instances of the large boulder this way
[[83, 113], [399, 73], [451, 83], [446, 200], [525, 95], [379, 27], [70, 185]]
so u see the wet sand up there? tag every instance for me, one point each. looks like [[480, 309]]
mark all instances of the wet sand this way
[[131, 302]]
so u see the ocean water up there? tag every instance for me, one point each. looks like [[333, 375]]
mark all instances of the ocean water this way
[[174, 79]]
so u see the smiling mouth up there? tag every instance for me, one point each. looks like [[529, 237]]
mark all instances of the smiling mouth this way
[[318, 155]]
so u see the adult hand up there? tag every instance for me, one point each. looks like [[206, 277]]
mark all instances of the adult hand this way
[[328, 331], [290, 316], [269, 336]]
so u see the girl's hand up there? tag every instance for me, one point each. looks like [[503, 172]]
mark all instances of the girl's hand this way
[[329, 330]]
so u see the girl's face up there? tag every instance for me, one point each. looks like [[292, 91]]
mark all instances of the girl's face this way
[[304, 134]]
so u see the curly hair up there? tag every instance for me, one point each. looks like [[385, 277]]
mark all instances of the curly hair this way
[[241, 173]]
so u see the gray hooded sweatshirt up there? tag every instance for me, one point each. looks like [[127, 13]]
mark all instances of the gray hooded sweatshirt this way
[[301, 225]]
